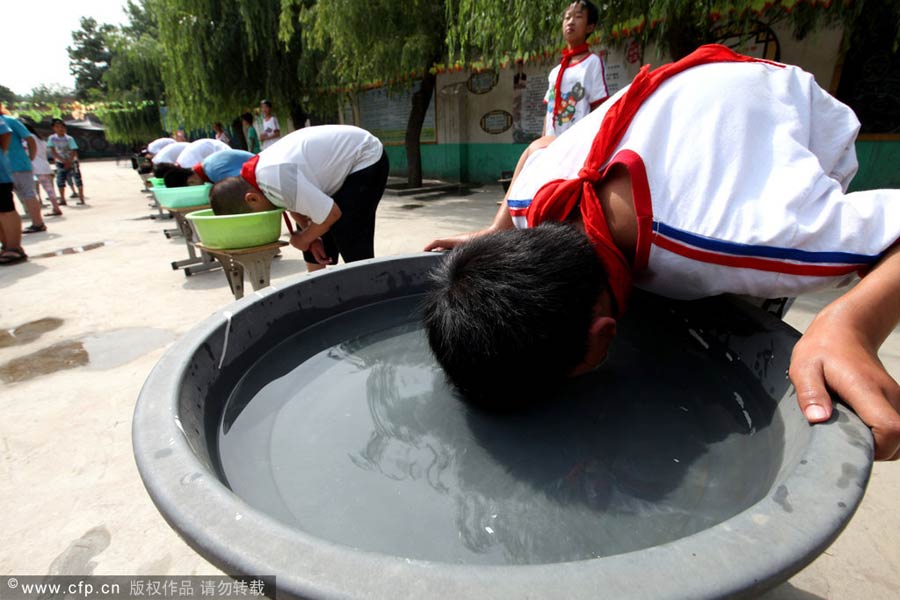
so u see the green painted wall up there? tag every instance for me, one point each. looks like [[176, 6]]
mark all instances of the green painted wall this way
[[879, 162], [879, 165], [471, 163]]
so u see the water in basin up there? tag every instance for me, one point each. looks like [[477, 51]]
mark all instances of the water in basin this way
[[348, 432]]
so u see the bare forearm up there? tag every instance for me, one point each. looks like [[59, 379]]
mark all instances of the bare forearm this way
[[872, 308], [313, 231]]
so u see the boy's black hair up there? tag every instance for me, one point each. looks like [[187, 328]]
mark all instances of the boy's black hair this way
[[592, 14], [177, 177], [227, 196], [55, 121], [162, 169], [247, 117], [508, 314], [266, 102]]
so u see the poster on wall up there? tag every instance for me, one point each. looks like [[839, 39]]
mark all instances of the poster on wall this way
[[386, 113], [528, 106]]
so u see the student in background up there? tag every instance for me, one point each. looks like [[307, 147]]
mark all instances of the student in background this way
[[271, 129], [252, 135], [65, 155], [43, 173]]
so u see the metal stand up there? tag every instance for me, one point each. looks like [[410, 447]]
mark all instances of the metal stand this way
[[256, 261], [194, 263]]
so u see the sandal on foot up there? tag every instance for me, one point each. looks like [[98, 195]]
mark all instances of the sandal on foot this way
[[55, 213], [12, 256], [63, 203], [34, 229]]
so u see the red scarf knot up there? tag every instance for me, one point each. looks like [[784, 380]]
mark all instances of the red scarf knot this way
[[556, 199], [589, 175]]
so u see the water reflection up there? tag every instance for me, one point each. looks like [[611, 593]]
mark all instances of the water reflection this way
[[364, 444]]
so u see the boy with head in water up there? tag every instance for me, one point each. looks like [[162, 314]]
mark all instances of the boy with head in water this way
[[746, 194], [330, 177]]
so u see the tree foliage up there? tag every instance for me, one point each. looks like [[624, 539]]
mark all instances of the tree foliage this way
[[497, 30], [89, 58], [130, 122], [378, 42], [50, 94], [7, 96], [136, 57], [223, 56]]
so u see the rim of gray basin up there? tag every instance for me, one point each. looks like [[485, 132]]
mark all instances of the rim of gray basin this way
[[744, 555]]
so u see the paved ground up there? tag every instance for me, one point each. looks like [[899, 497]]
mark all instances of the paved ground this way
[[90, 325]]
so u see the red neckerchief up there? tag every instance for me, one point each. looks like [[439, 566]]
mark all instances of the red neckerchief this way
[[198, 170], [556, 199], [248, 171], [563, 65]]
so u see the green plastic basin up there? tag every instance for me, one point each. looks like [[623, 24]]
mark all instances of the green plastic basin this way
[[230, 232], [183, 197], [157, 182]]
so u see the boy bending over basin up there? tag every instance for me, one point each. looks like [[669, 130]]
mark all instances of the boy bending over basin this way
[[330, 177], [212, 169], [717, 173]]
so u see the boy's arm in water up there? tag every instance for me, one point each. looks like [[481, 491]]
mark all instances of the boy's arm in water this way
[[839, 352]]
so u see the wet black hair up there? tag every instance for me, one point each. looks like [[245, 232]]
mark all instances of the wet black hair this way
[[247, 117], [592, 14], [162, 169], [177, 177], [55, 121], [266, 102], [508, 313], [227, 196]]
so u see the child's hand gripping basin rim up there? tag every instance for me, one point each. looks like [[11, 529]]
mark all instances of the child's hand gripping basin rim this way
[[226, 232]]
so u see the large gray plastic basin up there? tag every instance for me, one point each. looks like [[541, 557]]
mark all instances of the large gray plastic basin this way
[[768, 491]]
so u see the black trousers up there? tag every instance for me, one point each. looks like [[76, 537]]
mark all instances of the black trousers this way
[[353, 235]]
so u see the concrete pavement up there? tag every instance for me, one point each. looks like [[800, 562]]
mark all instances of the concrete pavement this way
[[80, 331]]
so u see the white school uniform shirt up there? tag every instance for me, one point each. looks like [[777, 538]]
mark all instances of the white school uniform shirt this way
[[306, 167], [158, 144], [269, 126], [583, 84], [196, 151], [745, 167], [169, 154]]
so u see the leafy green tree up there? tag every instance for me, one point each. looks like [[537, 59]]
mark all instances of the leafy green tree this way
[[495, 30], [7, 96], [223, 56], [136, 56], [378, 41], [50, 94], [89, 58]]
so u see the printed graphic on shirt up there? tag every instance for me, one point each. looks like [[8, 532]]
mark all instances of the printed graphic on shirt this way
[[569, 101]]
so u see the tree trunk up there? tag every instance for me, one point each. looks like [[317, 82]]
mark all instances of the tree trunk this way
[[420, 101], [298, 115], [237, 126]]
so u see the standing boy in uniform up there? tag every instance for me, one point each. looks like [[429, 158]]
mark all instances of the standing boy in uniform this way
[[577, 85]]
